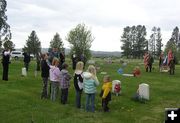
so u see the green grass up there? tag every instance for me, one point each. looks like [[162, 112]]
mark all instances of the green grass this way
[[20, 97]]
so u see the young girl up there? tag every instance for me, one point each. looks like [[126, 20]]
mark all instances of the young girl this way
[[78, 82], [64, 83], [106, 92], [44, 74], [90, 83], [54, 78]]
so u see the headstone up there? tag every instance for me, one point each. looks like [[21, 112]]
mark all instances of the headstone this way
[[35, 73], [124, 64], [91, 62], [24, 72], [128, 75], [144, 91], [103, 73], [116, 87]]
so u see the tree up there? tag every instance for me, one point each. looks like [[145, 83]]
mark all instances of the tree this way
[[56, 42], [8, 44], [152, 41], [134, 41], [5, 32], [80, 39], [126, 42], [33, 45], [140, 42], [159, 44], [171, 44]]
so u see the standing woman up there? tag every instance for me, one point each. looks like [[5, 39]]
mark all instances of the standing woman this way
[[5, 63], [78, 82]]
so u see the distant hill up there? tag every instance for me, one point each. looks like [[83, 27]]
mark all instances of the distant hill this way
[[94, 53]]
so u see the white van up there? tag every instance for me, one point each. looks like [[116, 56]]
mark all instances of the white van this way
[[17, 54]]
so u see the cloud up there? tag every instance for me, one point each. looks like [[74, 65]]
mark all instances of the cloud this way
[[106, 18]]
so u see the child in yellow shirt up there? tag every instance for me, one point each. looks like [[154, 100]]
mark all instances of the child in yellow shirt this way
[[106, 92]]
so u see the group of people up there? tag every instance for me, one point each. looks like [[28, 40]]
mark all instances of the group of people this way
[[83, 81], [6, 61], [165, 62]]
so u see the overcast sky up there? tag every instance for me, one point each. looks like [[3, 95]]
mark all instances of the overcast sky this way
[[105, 18]]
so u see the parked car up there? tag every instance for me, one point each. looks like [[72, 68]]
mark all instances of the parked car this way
[[17, 54], [32, 55]]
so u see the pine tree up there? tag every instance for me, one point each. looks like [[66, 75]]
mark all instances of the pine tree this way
[[126, 42], [33, 45], [158, 42], [56, 42]]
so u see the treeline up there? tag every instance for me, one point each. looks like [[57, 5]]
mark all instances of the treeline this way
[[135, 44]]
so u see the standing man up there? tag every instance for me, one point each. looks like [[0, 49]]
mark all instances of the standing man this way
[[5, 63], [27, 59]]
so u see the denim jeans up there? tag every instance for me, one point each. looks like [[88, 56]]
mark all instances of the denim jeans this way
[[45, 88], [54, 89], [90, 102], [78, 99]]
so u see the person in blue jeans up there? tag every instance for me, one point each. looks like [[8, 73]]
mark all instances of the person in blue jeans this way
[[90, 82], [78, 82]]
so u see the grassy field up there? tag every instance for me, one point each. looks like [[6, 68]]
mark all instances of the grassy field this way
[[20, 97]]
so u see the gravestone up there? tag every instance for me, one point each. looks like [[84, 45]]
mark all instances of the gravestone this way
[[24, 72], [91, 62], [144, 91], [116, 87]]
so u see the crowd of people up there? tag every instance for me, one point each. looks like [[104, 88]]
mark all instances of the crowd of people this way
[[84, 81], [56, 78]]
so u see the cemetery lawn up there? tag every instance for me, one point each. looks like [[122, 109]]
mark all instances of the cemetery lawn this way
[[20, 97]]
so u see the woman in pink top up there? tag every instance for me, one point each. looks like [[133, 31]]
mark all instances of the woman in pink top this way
[[54, 78]]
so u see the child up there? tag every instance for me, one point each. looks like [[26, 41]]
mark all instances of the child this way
[[54, 78], [136, 71], [90, 83], [44, 74], [64, 83], [106, 92], [78, 82]]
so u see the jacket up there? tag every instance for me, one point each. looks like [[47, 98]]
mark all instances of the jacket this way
[[106, 88], [78, 76], [90, 83], [44, 69], [54, 74], [65, 78]]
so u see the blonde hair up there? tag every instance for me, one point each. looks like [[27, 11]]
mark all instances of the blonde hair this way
[[80, 65], [55, 61], [107, 78], [92, 70]]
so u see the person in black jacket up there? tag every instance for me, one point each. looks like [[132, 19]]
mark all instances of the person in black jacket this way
[[5, 63], [78, 82], [44, 74], [27, 59]]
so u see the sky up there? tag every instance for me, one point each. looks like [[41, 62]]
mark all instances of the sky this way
[[105, 18]]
